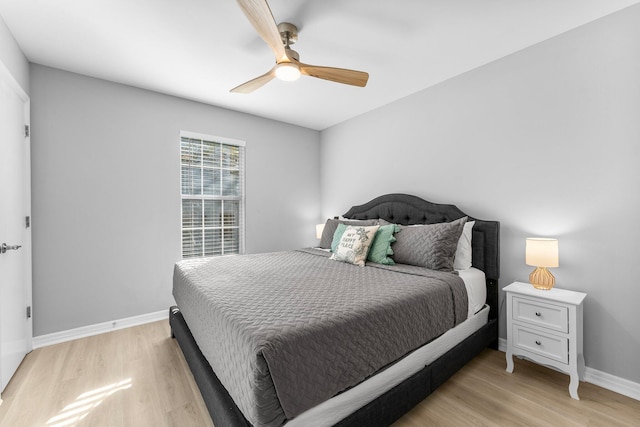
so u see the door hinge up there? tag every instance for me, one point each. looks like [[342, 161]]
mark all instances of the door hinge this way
[[27, 130], [29, 312], [27, 221]]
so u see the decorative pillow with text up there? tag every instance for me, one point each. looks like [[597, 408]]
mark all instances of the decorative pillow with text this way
[[354, 244]]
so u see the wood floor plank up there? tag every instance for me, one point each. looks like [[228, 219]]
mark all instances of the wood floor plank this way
[[138, 377]]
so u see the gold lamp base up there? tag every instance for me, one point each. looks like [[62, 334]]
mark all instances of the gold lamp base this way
[[541, 278]]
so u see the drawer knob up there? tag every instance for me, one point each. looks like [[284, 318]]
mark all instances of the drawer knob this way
[[538, 314], [538, 342]]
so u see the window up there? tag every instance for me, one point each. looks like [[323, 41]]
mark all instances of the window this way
[[212, 188]]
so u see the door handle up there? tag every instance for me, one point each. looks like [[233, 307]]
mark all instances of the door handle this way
[[4, 248]]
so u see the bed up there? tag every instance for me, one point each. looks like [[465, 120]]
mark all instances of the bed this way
[[378, 398]]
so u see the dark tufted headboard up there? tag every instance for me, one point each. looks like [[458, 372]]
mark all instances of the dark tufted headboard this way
[[405, 209]]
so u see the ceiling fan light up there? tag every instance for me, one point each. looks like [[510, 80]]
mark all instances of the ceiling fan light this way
[[287, 72]]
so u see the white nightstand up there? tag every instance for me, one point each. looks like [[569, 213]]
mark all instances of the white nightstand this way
[[546, 327]]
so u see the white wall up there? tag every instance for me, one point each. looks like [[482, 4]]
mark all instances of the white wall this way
[[12, 58], [106, 197], [547, 141]]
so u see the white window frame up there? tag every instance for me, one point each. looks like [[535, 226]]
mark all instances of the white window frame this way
[[203, 197]]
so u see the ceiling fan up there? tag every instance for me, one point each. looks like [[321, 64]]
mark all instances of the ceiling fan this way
[[288, 66]]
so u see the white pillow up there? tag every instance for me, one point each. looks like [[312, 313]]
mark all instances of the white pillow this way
[[462, 260], [354, 244]]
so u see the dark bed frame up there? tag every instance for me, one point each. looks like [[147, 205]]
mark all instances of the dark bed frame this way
[[390, 406]]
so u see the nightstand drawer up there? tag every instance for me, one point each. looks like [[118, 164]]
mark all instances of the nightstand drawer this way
[[541, 314], [552, 347]]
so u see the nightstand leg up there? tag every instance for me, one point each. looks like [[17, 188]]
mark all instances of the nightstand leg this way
[[581, 367], [573, 385], [509, 361]]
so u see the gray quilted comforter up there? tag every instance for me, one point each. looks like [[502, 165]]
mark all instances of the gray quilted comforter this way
[[285, 331]]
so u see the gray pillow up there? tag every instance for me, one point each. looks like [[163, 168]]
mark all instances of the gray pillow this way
[[432, 245], [331, 225]]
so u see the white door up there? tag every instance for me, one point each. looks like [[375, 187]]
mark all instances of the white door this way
[[15, 236]]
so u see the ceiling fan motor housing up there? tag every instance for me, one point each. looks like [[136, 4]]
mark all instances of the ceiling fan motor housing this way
[[288, 32]]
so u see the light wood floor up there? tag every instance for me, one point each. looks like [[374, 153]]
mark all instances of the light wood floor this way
[[138, 377], [132, 377]]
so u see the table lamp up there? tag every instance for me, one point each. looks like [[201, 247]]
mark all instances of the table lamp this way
[[542, 253]]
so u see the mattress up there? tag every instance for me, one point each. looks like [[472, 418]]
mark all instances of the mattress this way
[[291, 324], [475, 281]]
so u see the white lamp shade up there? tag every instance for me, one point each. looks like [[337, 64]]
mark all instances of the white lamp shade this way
[[541, 252], [319, 230], [288, 72]]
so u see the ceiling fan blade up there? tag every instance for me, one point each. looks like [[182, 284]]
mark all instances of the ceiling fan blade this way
[[260, 16], [256, 83], [338, 75]]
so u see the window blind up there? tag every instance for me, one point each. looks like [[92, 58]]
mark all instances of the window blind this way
[[212, 192]]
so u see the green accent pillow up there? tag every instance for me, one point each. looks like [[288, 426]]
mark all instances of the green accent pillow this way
[[381, 246], [337, 235]]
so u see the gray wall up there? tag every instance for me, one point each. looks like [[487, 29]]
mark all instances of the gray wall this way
[[547, 141], [12, 57], [106, 197]]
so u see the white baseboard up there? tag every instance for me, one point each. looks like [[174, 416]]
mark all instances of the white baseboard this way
[[599, 378], [100, 328], [613, 383]]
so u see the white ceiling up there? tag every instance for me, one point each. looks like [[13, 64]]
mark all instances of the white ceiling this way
[[199, 49]]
